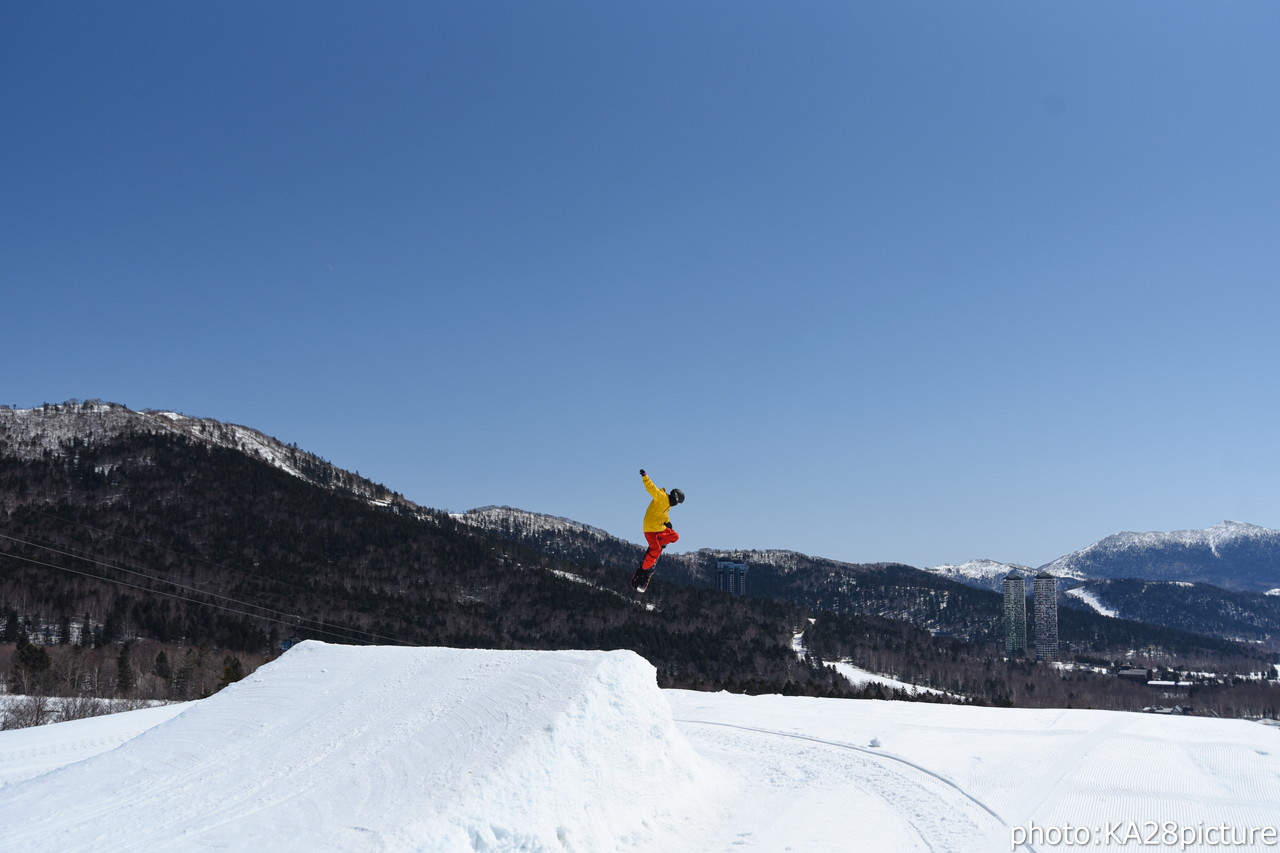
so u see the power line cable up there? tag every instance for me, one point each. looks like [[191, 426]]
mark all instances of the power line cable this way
[[36, 562], [286, 618], [134, 571], [295, 618], [313, 630], [164, 548]]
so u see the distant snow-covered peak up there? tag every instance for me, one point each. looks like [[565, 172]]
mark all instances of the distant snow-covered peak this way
[[984, 570], [1226, 530], [1219, 533], [1231, 554], [989, 574]]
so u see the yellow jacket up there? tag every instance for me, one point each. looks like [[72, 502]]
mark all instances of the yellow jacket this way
[[658, 514]]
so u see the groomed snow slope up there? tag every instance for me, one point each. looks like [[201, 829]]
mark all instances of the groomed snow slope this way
[[359, 748], [899, 776]]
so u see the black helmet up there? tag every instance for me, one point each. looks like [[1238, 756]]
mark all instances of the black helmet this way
[[676, 496]]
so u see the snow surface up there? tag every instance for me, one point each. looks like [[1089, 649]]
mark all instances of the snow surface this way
[[1090, 598], [858, 676], [422, 749]]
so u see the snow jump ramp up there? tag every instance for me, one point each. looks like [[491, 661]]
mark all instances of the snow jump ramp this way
[[381, 748]]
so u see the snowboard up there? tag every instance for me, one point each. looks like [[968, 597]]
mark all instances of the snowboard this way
[[640, 580]]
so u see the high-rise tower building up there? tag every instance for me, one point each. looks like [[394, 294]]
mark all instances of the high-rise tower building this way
[[1015, 615], [1046, 611], [731, 576]]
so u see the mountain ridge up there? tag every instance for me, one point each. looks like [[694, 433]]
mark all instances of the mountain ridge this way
[[33, 433], [50, 426], [1234, 555], [74, 436]]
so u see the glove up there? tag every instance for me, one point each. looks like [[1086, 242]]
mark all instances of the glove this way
[[641, 472]]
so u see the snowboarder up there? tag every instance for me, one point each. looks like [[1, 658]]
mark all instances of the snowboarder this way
[[658, 531]]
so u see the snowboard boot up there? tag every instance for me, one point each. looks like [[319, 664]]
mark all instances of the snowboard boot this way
[[640, 580]]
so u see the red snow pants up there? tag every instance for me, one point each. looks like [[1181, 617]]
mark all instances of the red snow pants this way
[[657, 540]]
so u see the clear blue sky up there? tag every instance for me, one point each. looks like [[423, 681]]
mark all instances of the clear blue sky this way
[[913, 281]]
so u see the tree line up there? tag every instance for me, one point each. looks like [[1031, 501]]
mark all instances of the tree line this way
[[985, 675]]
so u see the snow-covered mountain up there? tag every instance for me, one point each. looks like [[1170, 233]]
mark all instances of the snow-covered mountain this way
[[58, 429], [410, 749], [1232, 555], [984, 574]]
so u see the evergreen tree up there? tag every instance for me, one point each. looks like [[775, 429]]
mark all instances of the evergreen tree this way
[[31, 666], [126, 681], [161, 668], [111, 631], [232, 671], [181, 686]]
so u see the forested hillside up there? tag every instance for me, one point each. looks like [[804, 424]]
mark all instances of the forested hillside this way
[[1198, 607], [163, 537]]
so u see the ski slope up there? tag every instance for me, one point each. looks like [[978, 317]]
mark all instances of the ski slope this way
[[426, 749]]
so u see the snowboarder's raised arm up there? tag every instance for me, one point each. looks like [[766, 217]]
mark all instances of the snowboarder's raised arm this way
[[648, 484]]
